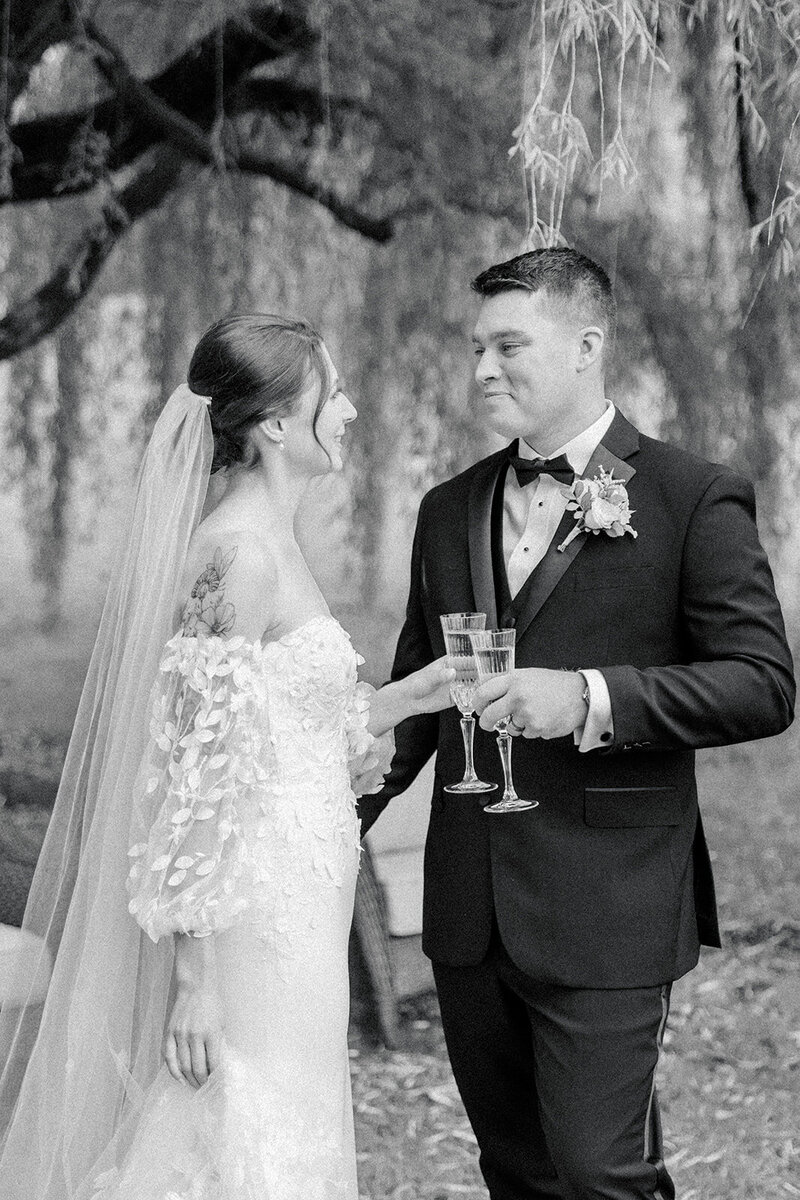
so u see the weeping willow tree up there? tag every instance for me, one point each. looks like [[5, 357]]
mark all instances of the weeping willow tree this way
[[196, 155], [362, 107], [664, 133], [168, 151], [744, 55]]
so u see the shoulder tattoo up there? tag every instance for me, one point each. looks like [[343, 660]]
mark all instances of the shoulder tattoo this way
[[206, 611]]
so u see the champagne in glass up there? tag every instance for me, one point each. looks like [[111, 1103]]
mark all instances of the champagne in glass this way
[[456, 628], [494, 655]]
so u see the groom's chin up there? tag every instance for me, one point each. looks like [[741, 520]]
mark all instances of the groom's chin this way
[[505, 429], [499, 416]]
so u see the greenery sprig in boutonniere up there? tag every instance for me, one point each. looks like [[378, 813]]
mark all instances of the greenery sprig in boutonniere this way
[[600, 505]]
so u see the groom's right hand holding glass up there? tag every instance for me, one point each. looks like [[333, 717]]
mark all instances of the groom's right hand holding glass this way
[[541, 703]]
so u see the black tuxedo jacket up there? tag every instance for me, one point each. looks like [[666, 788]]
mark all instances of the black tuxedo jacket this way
[[608, 882]]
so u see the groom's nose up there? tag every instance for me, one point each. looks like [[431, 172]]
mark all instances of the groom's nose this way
[[487, 367]]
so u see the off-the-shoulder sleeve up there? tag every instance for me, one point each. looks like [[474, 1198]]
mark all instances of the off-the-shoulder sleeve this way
[[368, 758], [203, 795]]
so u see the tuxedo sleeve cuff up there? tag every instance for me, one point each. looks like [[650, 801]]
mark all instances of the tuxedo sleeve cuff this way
[[598, 730]]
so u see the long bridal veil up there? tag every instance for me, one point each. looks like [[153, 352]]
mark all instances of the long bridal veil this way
[[74, 1067]]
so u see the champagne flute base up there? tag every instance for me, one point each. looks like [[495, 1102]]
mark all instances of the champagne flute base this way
[[470, 783], [510, 805]]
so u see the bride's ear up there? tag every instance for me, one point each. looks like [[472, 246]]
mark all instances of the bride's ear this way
[[270, 430]]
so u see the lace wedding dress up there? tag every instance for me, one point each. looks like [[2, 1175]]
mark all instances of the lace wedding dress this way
[[247, 831]]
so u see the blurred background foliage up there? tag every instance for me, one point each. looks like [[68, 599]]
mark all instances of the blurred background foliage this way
[[356, 162]]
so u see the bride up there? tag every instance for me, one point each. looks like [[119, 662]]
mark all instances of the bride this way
[[198, 875]]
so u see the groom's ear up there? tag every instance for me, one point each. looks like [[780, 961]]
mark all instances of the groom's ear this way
[[591, 347]]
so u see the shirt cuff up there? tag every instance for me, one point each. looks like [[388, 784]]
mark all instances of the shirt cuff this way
[[598, 730]]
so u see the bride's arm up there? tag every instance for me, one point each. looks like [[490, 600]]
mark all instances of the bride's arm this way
[[237, 607], [425, 691], [192, 885], [194, 1029]]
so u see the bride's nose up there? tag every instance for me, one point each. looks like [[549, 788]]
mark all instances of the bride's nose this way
[[350, 410]]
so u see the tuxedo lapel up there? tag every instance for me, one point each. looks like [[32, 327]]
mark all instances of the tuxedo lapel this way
[[620, 441], [479, 519]]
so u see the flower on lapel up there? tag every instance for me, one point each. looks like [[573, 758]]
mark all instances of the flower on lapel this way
[[600, 505]]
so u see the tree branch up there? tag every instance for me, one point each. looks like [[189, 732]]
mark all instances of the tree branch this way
[[46, 145], [177, 137], [52, 303], [44, 311], [745, 152], [377, 229], [194, 142]]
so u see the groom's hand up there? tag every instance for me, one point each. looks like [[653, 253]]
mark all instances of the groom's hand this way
[[541, 703]]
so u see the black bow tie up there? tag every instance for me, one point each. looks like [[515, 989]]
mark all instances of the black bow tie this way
[[529, 469]]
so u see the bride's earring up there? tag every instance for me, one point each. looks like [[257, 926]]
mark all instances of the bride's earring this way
[[281, 445]]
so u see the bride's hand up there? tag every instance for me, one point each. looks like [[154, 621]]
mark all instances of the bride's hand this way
[[425, 691], [194, 1031], [429, 689]]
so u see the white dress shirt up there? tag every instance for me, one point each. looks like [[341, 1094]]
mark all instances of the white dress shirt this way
[[531, 516]]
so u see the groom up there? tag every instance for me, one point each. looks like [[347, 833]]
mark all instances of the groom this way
[[555, 933]]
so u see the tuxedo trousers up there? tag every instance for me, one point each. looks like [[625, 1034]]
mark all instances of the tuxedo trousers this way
[[558, 1082]]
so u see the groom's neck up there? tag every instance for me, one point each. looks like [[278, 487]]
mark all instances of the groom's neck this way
[[565, 426]]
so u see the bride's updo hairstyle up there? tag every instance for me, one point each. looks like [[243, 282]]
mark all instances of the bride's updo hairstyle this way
[[253, 366]]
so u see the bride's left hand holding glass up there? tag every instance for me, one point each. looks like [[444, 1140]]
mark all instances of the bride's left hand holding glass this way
[[424, 691], [193, 1037]]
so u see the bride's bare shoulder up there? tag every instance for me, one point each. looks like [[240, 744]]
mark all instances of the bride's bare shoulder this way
[[229, 584]]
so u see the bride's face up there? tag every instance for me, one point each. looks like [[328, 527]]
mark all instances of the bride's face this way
[[319, 450]]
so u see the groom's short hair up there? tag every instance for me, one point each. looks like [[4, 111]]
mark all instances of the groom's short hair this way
[[576, 285]]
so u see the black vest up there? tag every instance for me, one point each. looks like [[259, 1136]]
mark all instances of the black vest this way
[[508, 609]]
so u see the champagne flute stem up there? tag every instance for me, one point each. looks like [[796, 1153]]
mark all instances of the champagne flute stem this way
[[504, 746], [468, 734]]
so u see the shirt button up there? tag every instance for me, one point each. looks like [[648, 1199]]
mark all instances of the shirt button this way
[[526, 548]]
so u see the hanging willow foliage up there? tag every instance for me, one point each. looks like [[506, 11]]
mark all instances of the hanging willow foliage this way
[[565, 138]]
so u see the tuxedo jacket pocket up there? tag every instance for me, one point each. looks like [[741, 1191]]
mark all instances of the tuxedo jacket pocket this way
[[623, 808]]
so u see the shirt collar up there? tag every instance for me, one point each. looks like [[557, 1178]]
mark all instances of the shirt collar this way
[[579, 449]]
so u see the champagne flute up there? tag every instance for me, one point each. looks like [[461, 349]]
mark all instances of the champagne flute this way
[[494, 655], [456, 628]]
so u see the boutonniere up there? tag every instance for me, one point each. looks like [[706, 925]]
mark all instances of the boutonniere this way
[[600, 505]]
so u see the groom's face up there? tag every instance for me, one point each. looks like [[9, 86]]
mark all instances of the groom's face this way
[[528, 353]]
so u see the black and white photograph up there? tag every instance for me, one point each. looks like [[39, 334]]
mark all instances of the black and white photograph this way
[[400, 426]]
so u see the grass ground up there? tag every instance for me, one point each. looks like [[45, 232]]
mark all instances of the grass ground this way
[[729, 1076]]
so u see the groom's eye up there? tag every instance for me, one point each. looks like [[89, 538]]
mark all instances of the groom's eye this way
[[508, 347]]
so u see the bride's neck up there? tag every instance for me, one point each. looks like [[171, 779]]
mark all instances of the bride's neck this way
[[269, 495]]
